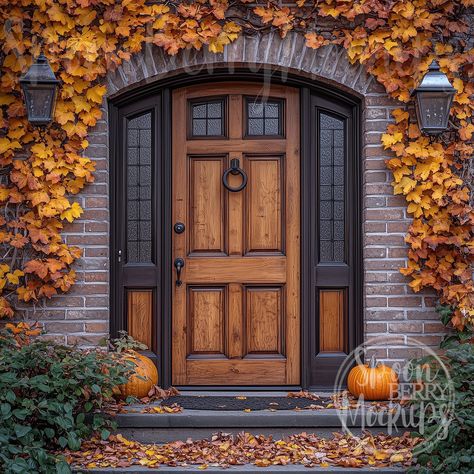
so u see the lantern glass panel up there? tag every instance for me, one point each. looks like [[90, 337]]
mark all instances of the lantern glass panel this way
[[433, 110], [40, 102]]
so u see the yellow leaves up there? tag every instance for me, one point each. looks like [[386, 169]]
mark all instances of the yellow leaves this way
[[7, 145], [228, 34], [405, 9], [72, 213], [81, 104], [64, 112], [85, 17], [14, 277], [400, 115], [389, 140], [405, 185], [57, 14]]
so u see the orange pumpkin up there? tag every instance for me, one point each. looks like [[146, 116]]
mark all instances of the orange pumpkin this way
[[373, 381], [145, 376]]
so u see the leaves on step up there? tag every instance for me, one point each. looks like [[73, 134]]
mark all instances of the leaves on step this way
[[225, 450]]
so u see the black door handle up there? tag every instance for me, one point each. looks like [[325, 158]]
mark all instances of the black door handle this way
[[234, 169], [178, 264]]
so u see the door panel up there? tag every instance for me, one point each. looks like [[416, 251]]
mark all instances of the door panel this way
[[206, 205], [236, 316], [264, 321], [206, 323], [264, 216]]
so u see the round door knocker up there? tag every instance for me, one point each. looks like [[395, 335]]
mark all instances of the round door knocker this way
[[234, 169]]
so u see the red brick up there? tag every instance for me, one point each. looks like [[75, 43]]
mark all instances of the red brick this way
[[396, 227], [383, 264], [386, 214], [376, 177], [371, 277], [378, 164], [434, 328], [402, 301], [385, 290], [384, 315], [397, 252], [405, 327], [374, 227], [375, 302], [86, 340], [101, 327], [64, 327]]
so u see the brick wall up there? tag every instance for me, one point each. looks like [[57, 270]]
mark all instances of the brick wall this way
[[390, 308]]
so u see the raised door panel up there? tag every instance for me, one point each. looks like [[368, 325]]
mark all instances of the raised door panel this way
[[206, 205], [264, 321], [264, 216], [140, 315], [332, 319], [206, 325]]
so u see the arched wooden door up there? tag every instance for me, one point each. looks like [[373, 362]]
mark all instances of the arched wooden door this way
[[236, 302]]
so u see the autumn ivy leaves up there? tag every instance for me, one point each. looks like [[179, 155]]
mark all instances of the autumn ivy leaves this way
[[42, 170], [440, 237]]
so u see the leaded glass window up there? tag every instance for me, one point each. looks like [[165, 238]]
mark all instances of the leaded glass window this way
[[331, 189], [208, 118], [264, 117], [139, 189]]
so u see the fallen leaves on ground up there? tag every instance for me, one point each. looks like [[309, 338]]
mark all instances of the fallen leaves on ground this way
[[225, 450], [303, 394], [158, 409], [158, 393], [344, 401]]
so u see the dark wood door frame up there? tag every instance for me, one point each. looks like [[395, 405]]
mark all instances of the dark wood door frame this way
[[162, 331]]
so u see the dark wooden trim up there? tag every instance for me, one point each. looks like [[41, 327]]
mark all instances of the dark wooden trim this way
[[307, 88]]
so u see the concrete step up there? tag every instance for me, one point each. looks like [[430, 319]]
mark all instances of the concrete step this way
[[200, 424], [246, 469]]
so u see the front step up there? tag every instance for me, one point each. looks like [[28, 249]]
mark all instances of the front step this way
[[200, 424]]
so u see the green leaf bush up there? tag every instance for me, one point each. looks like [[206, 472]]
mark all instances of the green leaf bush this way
[[454, 453], [50, 398]]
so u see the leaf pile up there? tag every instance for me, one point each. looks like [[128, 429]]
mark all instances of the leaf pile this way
[[225, 450]]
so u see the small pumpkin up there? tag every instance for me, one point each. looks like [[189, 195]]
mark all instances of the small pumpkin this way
[[144, 377], [373, 381]]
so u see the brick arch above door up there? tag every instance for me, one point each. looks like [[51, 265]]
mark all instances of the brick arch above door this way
[[328, 64]]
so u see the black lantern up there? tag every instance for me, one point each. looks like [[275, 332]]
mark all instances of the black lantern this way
[[434, 97], [40, 88]]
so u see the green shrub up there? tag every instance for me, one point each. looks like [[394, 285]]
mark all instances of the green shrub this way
[[454, 453], [50, 397]]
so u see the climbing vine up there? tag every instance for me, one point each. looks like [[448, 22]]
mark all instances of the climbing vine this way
[[43, 170]]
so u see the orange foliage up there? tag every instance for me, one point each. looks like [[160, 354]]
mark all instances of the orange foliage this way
[[84, 39]]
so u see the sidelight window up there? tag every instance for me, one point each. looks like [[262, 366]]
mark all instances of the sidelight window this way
[[139, 189], [331, 189]]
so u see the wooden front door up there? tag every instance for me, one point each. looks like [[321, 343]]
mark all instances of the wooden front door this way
[[236, 311]]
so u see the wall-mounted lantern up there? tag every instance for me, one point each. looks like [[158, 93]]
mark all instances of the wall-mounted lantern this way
[[40, 88], [433, 97]]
